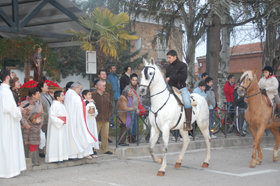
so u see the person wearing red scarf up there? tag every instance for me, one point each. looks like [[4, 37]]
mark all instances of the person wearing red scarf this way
[[270, 84]]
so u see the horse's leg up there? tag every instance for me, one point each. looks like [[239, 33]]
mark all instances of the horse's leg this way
[[153, 139], [186, 141], [165, 138], [206, 135], [276, 134], [257, 140], [260, 154], [253, 160]]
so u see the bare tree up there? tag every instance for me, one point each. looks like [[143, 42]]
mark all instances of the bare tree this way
[[191, 13]]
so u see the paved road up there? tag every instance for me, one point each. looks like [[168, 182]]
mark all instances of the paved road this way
[[228, 166]]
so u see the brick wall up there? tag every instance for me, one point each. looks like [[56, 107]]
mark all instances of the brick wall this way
[[244, 57], [238, 63], [147, 33]]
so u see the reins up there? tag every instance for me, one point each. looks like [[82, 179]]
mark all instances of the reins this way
[[253, 94]]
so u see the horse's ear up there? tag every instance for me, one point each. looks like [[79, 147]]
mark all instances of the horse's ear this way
[[152, 61], [145, 62]]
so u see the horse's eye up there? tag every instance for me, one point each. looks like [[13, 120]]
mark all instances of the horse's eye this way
[[151, 73]]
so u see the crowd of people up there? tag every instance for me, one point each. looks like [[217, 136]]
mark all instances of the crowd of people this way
[[68, 124], [63, 125], [236, 105]]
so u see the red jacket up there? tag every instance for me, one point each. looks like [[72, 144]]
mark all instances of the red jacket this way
[[228, 91]]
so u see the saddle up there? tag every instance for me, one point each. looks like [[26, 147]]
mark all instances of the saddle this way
[[178, 96], [266, 98], [274, 114]]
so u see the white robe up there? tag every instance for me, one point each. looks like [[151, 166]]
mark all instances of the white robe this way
[[91, 122], [57, 140], [12, 158], [80, 140]]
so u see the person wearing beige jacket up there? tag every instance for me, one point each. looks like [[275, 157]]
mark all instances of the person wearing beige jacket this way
[[124, 107]]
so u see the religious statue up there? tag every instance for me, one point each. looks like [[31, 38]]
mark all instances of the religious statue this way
[[38, 62]]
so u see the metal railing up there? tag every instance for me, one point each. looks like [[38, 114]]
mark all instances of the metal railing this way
[[139, 134]]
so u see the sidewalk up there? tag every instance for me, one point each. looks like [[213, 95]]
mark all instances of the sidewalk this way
[[143, 150]]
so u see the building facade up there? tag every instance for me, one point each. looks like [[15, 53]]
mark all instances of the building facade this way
[[147, 29], [243, 57]]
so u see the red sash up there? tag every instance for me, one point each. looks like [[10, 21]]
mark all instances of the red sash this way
[[32, 148], [84, 111]]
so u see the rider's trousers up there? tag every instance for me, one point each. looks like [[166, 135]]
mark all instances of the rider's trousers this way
[[186, 97]]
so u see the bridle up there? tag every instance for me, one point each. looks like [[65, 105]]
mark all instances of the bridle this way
[[148, 86], [246, 88]]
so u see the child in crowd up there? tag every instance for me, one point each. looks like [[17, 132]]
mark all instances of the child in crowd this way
[[31, 137], [91, 114], [211, 100], [57, 140], [201, 89]]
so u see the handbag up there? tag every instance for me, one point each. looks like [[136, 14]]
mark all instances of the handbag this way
[[141, 108]]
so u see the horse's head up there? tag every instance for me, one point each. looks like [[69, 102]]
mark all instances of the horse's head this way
[[148, 74], [245, 82]]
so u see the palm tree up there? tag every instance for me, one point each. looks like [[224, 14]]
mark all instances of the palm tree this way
[[107, 33]]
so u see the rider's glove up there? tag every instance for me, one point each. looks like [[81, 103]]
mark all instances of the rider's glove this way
[[263, 91]]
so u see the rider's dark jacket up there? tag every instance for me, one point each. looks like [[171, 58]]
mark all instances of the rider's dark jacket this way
[[178, 73]]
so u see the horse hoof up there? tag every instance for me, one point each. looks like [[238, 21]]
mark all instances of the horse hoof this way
[[177, 165], [252, 166], [259, 162], [275, 159], [160, 173], [205, 165], [253, 163]]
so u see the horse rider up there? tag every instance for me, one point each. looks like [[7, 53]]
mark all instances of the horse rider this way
[[176, 76], [270, 84]]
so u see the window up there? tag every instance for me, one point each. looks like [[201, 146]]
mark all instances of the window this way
[[162, 46]]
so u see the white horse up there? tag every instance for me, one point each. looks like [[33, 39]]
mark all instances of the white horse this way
[[166, 114]]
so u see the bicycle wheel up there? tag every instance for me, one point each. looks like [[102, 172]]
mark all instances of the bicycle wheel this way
[[216, 125], [230, 122]]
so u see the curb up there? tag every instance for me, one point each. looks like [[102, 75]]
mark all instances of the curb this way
[[126, 152]]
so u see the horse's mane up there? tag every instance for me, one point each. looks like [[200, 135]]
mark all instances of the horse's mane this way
[[161, 70], [251, 75]]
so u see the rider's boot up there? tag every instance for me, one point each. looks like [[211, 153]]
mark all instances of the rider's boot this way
[[188, 123]]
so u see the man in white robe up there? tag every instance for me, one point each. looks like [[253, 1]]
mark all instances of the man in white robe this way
[[12, 158], [57, 139], [80, 139]]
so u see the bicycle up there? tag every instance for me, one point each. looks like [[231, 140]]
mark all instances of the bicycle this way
[[223, 121]]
